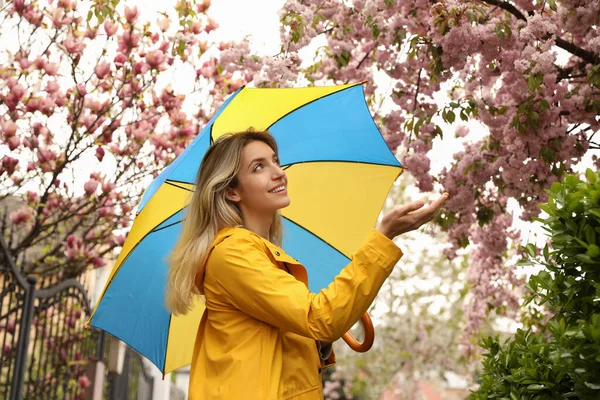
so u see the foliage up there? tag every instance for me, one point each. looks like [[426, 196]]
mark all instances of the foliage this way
[[561, 360]]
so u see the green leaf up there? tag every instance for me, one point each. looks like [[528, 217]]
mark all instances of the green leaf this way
[[585, 258], [593, 386], [530, 249], [590, 234], [535, 387], [593, 251], [450, 117], [590, 175], [532, 83], [552, 4]]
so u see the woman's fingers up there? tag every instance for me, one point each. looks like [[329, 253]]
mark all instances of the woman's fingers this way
[[425, 215], [409, 208]]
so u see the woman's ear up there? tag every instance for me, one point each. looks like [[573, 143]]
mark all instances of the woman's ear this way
[[232, 194]]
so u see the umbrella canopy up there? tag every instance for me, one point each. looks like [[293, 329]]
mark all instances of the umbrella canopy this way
[[340, 171]]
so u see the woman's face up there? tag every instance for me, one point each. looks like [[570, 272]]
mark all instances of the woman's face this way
[[262, 184]]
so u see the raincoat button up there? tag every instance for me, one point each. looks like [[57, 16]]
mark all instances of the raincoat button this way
[[320, 369], [277, 253]]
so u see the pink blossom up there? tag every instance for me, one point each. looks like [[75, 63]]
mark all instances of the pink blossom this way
[[102, 69], [98, 262], [52, 86], [91, 33], [106, 211], [131, 14], [21, 215], [211, 25], [208, 70], [128, 41], [73, 45], [13, 142], [140, 67], [461, 131], [90, 187], [119, 240], [108, 187], [51, 68], [203, 6], [24, 62], [99, 153], [17, 92], [120, 59], [155, 58], [9, 164], [163, 23], [84, 381], [110, 28], [8, 128]]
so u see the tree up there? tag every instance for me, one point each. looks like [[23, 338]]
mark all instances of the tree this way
[[559, 358], [527, 72], [82, 87]]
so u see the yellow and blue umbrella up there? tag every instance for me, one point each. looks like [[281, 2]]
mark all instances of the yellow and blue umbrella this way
[[340, 171]]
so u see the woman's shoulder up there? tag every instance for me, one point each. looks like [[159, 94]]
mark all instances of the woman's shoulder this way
[[237, 238]]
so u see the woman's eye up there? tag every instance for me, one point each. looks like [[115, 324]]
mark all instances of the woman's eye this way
[[276, 161], [257, 167]]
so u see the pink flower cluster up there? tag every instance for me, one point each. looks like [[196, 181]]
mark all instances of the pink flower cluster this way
[[505, 65]]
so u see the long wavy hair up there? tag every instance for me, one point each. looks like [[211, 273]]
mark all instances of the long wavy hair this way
[[210, 211]]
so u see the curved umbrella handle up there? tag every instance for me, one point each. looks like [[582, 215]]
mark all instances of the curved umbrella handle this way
[[369, 336]]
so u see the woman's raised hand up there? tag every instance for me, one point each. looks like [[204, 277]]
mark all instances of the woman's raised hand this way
[[409, 217]]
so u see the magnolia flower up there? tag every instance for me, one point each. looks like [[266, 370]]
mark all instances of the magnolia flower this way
[[102, 69], [131, 14], [73, 45], [163, 23], [13, 142], [100, 153], [21, 215], [8, 128], [90, 187], [155, 58], [110, 28], [120, 59]]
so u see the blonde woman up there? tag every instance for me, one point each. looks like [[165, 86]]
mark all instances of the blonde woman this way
[[263, 335]]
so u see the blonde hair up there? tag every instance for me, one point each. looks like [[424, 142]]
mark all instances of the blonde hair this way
[[210, 211]]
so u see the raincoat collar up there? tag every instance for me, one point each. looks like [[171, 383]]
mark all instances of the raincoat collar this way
[[276, 252]]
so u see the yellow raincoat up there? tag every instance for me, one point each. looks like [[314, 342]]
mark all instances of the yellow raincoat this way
[[257, 337]]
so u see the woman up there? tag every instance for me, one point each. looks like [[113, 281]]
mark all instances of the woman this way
[[262, 332]]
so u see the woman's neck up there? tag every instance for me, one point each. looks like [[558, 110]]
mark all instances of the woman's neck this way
[[261, 226]]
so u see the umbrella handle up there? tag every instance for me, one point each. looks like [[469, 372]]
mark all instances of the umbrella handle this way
[[369, 336]]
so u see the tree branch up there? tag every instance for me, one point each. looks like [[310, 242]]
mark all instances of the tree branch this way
[[587, 56]]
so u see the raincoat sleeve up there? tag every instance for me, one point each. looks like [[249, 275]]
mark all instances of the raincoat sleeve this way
[[252, 283]]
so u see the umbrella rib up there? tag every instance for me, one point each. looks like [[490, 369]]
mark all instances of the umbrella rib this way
[[166, 226], [174, 183], [286, 166], [310, 102], [317, 236]]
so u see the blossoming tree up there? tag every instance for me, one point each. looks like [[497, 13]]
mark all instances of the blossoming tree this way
[[80, 90], [526, 72]]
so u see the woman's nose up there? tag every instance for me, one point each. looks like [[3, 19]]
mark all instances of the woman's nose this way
[[279, 173]]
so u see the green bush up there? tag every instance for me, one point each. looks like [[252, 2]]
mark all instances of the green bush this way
[[561, 358]]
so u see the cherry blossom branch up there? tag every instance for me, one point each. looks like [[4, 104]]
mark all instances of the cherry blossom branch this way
[[585, 55]]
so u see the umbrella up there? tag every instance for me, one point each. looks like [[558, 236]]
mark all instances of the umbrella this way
[[340, 171]]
